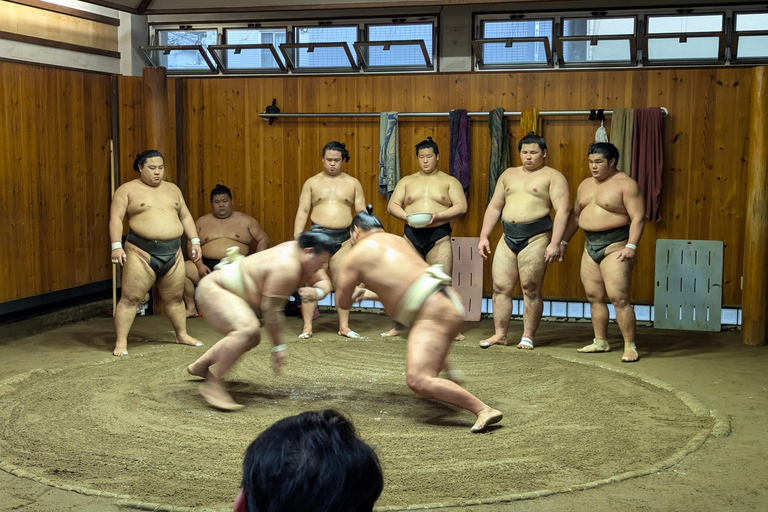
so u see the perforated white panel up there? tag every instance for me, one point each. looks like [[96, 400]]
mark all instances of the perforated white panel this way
[[689, 285], [468, 274]]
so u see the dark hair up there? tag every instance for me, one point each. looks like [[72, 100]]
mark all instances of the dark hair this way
[[366, 220], [219, 190], [142, 158], [318, 242], [608, 150], [337, 146], [427, 144], [312, 462], [532, 138]]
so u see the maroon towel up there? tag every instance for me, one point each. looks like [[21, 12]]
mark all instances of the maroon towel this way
[[648, 158]]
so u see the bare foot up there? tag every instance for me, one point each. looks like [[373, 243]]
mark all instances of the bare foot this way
[[493, 340], [198, 369], [390, 333], [459, 337], [191, 312], [188, 340], [486, 417], [218, 397], [596, 346], [526, 343], [630, 354], [305, 335], [121, 349]]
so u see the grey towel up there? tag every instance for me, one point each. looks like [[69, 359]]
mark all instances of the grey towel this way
[[499, 160], [389, 153], [622, 122]]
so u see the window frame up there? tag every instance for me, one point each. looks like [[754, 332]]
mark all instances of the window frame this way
[[429, 53], [737, 34], [645, 36], [594, 39], [477, 43]]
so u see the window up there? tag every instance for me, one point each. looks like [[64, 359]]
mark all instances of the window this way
[[684, 38], [288, 47], [606, 40], [398, 45], [514, 43], [191, 54], [750, 37], [322, 48]]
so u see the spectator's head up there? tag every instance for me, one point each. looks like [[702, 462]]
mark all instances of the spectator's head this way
[[221, 201], [312, 462]]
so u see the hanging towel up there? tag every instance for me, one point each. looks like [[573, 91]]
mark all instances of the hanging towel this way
[[621, 137], [601, 135], [389, 153], [530, 122], [459, 160], [499, 161], [648, 158]]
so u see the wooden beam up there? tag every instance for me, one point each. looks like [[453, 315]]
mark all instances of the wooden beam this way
[[69, 11], [143, 6], [754, 319]]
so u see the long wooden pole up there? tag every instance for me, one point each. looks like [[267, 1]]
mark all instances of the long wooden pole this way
[[754, 302], [112, 183]]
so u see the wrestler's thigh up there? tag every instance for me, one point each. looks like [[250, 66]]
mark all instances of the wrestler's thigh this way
[[225, 311], [190, 270], [617, 275], [138, 276], [334, 264], [504, 269], [430, 337], [591, 277], [442, 254], [171, 284], [530, 261]]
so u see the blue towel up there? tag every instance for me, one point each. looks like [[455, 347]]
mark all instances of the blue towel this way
[[389, 153]]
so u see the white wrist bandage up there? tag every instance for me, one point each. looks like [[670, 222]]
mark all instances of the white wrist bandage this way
[[631, 246], [117, 245], [279, 348], [194, 241], [563, 242], [320, 293]]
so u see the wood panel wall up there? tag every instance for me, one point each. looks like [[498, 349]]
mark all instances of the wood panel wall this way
[[54, 162], [705, 145], [54, 179], [35, 22]]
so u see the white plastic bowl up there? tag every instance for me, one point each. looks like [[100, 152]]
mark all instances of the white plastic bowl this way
[[419, 220]]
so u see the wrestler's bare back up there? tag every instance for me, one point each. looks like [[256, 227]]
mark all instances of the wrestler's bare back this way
[[276, 271], [600, 205], [217, 235], [388, 266], [153, 212], [526, 194], [333, 199]]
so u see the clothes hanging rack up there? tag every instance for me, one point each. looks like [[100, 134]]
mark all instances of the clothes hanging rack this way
[[265, 115]]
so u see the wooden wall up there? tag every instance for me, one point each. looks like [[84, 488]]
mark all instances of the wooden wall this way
[[54, 179], [54, 162], [705, 141]]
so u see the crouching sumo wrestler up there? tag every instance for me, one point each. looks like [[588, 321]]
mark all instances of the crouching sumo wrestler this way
[[247, 289], [416, 295]]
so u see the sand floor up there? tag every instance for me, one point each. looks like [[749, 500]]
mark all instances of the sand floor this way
[[137, 429]]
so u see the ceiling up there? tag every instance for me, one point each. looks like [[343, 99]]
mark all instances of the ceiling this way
[[225, 6]]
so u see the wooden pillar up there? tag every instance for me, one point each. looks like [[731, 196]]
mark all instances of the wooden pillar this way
[[156, 120], [754, 299], [156, 127]]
